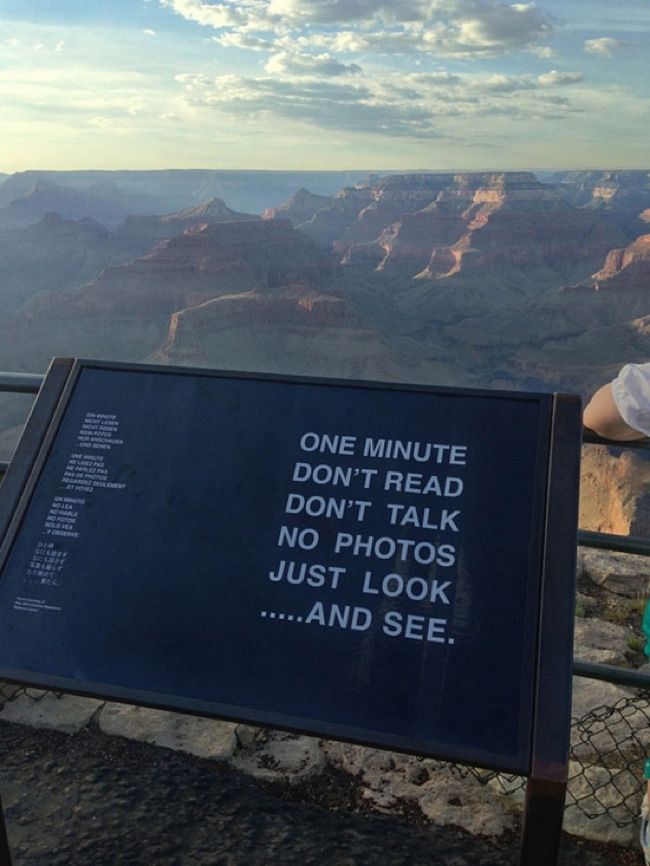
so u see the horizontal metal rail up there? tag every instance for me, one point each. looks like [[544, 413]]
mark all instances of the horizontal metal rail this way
[[592, 438], [619, 543], [612, 674], [30, 383], [21, 383], [18, 383]]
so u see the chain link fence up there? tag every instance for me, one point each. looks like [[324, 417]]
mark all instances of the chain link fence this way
[[609, 746]]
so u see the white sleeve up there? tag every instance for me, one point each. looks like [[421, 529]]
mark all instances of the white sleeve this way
[[631, 391]]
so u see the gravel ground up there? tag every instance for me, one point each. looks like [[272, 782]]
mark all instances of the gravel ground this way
[[91, 800]]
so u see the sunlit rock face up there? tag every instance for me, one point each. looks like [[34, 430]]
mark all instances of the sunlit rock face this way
[[438, 226], [625, 189], [615, 491], [622, 197], [626, 269]]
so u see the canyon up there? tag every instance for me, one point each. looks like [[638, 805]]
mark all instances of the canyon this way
[[504, 280], [488, 279]]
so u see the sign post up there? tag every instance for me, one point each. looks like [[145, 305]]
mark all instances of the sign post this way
[[389, 565]]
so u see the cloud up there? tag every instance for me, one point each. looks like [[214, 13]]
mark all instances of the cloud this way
[[503, 26], [215, 15], [507, 84], [415, 105], [543, 51], [444, 27], [604, 46], [327, 104], [320, 65], [560, 79]]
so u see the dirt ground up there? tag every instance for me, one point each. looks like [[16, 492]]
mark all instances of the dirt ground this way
[[91, 800]]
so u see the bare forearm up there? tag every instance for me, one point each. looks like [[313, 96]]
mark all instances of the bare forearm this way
[[602, 416]]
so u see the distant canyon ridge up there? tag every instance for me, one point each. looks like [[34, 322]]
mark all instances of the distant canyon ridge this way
[[510, 280]]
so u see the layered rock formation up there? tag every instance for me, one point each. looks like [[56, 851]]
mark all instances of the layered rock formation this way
[[294, 330], [299, 208], [626, 269], [152, 230], [58, 254], [110, 196], [458, 273], [245, 294], [206, 261], [441, 279], [620, 196], [297, 306], [49, 255], [46, 196], [474, 225], [624, 189]]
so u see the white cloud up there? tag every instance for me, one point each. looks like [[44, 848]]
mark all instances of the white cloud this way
[[543, 51], [326, 104], [416, 105], [320, 65], [559, 79], [604, 46], [445, 27], [215, 15], [503, 26], [507, 84], [244, 40]]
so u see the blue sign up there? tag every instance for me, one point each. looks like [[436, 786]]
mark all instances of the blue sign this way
[[349, 559]]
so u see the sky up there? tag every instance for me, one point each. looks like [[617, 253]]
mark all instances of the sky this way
[[324, 84]]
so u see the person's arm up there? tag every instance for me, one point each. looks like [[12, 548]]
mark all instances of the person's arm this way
[[601, 415]]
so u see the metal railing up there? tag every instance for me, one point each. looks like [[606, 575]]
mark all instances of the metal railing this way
[[18, 383]]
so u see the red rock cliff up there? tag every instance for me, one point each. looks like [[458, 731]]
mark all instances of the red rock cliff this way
[[626, 269]]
